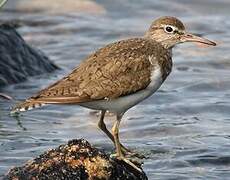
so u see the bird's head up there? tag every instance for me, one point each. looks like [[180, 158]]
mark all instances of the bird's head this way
[[170, 31]]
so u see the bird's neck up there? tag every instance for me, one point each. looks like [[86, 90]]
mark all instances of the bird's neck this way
[[167, 64], [166, 43], [166, 61]]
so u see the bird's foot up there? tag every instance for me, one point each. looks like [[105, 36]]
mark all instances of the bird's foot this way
[[127, 161], [131, 163], [132, 154], [129, 153]]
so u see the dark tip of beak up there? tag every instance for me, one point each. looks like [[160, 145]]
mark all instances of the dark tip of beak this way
[[187, 37]]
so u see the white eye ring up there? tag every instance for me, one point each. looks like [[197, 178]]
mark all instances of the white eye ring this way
[[169, 29]]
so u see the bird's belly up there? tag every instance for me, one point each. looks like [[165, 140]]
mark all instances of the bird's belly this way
[[123, 103], [118, 105]]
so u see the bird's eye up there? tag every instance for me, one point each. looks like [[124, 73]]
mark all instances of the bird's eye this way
[[169, 29]]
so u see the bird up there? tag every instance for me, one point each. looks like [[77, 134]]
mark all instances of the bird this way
[[118, 76]]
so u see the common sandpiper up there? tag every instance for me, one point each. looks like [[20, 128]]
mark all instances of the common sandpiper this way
[[119, 76]]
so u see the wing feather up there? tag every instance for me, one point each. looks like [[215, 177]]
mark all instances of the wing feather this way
[[116, 70]]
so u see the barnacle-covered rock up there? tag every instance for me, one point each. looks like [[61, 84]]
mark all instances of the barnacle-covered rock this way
[[75, 160]]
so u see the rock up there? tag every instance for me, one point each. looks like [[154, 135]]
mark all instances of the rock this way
[[75, 160], [18, 61]]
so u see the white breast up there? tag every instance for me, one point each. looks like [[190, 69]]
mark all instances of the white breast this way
[[156, 79]]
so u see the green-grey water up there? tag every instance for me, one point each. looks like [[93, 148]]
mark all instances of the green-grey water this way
[[184, 128]]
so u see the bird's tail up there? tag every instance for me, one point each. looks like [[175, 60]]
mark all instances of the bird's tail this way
[[26, 106]]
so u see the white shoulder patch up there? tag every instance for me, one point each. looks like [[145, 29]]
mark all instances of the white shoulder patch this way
[[156, 78]]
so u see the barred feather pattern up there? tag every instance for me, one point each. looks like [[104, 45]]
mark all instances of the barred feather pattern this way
[[26, 106]]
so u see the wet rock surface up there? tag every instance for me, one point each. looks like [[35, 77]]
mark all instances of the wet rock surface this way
[[75, 160], [18, 61]]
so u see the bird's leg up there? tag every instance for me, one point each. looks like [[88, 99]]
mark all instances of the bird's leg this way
[[119, 153], [103, 127]]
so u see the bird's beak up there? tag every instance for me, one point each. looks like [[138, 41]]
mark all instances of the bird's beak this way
[[188, 37]]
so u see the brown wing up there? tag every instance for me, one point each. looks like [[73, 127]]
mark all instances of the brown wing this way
[[116, 70]]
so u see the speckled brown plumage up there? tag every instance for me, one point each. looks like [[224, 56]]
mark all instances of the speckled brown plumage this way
[[119, 69], [116, 70]]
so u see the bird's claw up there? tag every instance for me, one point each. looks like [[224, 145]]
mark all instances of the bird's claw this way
[[128, 161], [129, 153]]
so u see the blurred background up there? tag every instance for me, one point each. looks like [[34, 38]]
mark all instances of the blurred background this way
[[184, 129]]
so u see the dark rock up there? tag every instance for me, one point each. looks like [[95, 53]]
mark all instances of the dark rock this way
[[75, 160], [18, 61]]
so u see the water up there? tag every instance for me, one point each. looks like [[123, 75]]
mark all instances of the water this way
[[184, 129]]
